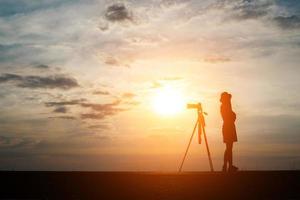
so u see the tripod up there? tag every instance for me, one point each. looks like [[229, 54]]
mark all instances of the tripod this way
[[201, 129]]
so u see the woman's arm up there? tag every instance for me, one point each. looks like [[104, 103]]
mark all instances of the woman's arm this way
[[227, 114]]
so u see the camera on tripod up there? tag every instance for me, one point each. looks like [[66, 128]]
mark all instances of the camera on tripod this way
[[200, 123], [195, 106]]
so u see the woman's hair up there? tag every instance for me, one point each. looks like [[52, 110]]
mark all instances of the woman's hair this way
[[225, 97]]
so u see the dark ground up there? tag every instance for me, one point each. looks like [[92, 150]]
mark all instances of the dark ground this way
[[144, 185]]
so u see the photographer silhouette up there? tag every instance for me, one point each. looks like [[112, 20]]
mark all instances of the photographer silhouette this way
[[228, 130]]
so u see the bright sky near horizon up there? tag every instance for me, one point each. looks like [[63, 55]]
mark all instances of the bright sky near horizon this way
[[102, 85]]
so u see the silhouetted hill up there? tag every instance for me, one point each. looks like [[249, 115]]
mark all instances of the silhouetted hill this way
[[144, 185]]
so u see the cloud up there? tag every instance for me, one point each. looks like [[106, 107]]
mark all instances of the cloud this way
[[65, 103], [12, 7], [290, 22], [108, 108], [99, 126], [92, 116], [12, 142], [103, 25], [63, 117], [117, 12], [253, 9], [113, 61], [249, 9], [101, 110], [216, 59], [128, 99], [61, 109], [42, 66], [10, 77], [110, 60], [243, 9], [128, 95], [99, 92], [48, 82]]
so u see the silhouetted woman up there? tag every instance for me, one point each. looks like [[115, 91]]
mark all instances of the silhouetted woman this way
[[228, 130]]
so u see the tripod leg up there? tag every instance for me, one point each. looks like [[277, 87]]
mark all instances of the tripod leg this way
[[187, 149], [208, 152]]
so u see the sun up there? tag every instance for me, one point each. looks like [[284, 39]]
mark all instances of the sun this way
[[168, 101]]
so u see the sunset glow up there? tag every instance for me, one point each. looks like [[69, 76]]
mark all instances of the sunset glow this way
[[103, 85], [168, 101]]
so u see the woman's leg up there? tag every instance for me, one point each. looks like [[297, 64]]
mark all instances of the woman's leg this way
[[225, 158], [229, 153]]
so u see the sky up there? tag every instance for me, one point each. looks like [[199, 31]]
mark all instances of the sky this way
[[84, 83]]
